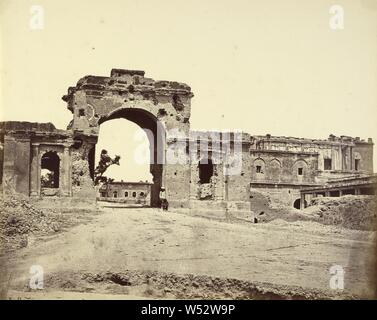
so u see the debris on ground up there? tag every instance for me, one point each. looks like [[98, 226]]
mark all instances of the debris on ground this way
[[349, 211], [20, 219], [353, 212]]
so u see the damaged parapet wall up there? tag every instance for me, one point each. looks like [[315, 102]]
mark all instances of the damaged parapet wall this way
[[153, 105]]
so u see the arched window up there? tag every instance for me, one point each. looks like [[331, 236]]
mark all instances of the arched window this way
[[205, 170], [50, 164], [259, 167], [134, 194], [274, 170], [300, 169], [126, 194]]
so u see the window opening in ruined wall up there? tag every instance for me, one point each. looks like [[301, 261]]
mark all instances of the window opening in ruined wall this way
[[327, 164], [50, 164]]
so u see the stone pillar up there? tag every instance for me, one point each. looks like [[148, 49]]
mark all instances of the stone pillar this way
[[65, 172], [348, 158], [35, 171], [351, 159], [302, 201], [327, 193], [357, 191], [340, 159]]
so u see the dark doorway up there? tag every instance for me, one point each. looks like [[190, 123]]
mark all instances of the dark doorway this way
[[357, 164], [297, 204], [348, 191], [335, 193], [205, 170], [327, 164]]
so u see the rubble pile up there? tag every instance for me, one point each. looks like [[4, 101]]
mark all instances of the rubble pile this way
[[353, 212], [19, 219], [349, 211]]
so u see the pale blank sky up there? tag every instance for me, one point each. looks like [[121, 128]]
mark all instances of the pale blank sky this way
[[260, 66], [125, 139]]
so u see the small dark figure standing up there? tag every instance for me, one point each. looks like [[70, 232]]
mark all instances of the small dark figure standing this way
[[164, 203], [253, 217]]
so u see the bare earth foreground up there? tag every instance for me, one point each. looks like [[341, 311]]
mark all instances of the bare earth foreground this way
[[136, 253]]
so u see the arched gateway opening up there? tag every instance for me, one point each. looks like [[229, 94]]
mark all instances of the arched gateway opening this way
[[155, 106], [155, 134]]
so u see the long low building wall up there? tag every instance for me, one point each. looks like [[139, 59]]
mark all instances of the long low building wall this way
[[125, 192]]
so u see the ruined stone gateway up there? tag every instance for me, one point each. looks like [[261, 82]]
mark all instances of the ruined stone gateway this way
[[220, 168]]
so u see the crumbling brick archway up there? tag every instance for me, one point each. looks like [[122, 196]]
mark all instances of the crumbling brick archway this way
[[153, 105]]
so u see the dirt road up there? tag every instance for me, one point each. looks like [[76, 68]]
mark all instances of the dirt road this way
[[147, 240]]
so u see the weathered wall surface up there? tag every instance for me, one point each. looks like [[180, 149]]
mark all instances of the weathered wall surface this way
[[279, 194], [16, 167], [364, 152], [283, 167]]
